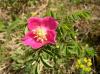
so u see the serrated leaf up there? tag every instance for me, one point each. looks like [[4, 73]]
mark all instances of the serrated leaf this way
[[45, 63]]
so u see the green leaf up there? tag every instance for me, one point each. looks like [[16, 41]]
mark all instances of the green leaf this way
[[13, 25], [90, 52], [48, 52], [82, 14], [73, 51], [1, 25], [26, 30], [45, 63], [16, 66], [36, 69]]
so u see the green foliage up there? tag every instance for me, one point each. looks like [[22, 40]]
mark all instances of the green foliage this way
[[90, 52], [78, 15], [76, 1], [66, 48], [45, 63], [16, 6], [56, 58], [1, 25]]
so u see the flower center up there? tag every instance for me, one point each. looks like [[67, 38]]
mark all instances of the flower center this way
[[40, 34]]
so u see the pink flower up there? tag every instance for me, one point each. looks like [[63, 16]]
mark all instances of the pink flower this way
[[41, 32]]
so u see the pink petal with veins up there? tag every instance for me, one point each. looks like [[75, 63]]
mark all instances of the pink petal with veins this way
[[50, 23], [34, 22], [51, 36]]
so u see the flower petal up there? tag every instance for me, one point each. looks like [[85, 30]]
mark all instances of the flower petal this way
[[50, 23], [51, 37], [30, 41], [34, 22]]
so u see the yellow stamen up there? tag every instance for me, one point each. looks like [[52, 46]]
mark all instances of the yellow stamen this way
[[40, 34], [35, 36]]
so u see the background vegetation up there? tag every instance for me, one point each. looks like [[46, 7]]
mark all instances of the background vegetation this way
[[78, 37]]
